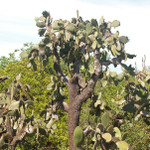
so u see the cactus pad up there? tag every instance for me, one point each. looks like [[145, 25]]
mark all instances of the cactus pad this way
[[78, 136]]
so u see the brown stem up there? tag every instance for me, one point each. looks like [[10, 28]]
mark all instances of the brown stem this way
[[12, 147], [73, 122], [57, 67], [3, 78]]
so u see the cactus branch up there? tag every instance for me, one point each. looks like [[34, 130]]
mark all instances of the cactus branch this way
[[3, 78], [86, 93], [87, 130], [58, 69]]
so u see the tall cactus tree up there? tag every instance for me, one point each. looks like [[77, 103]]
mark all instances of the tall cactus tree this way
[[82, 51]]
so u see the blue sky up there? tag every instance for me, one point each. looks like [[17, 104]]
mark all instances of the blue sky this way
[[17, 25]]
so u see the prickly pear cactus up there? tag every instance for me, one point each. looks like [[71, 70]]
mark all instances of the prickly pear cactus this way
[[108, 137], [14, 124]]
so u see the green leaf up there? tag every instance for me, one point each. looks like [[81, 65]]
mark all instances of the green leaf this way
[[115, 23]]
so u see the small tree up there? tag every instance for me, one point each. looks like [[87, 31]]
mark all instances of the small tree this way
[[82, 51]]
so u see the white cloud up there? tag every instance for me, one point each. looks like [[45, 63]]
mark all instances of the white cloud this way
[[134, 20]]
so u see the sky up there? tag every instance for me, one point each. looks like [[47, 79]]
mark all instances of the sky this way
[[17, 25]]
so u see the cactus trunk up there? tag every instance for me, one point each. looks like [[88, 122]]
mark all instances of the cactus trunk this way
[[12, 147], [73, 116], [73, 113]]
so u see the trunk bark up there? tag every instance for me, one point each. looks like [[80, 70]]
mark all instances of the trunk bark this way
[[73, 113], [73, 122], [12, 147]]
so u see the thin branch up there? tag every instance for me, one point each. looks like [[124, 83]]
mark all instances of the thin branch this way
[[65, 106], [57, 67], [8, 126], [87, 130], [76, 66], [3, 78], [21, 132], [86, 93]]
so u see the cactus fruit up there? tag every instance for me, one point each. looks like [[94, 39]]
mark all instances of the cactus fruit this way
[[122, 145], [78, 136], [107, 137]]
